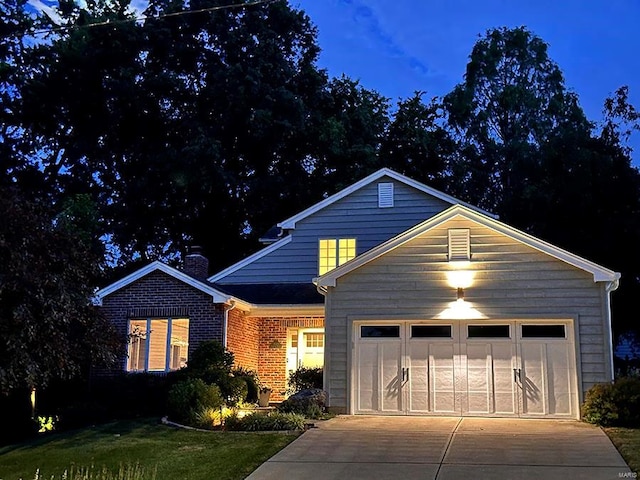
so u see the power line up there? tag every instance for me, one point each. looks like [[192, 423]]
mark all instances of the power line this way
[[145, 17]]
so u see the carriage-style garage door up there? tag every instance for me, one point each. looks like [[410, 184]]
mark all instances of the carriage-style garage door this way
[[511, 368]]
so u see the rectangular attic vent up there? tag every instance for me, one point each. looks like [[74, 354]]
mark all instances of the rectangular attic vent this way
[[385, 195], [459, 245]]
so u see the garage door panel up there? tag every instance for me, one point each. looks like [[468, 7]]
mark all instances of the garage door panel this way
[[368, 372], [513, 373], [390, 398]]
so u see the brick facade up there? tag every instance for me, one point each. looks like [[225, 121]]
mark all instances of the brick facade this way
[[243, 335], [159, 295], [272, 362], [258, 343]]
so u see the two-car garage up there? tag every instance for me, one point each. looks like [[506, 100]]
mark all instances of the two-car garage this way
[[493, 368]]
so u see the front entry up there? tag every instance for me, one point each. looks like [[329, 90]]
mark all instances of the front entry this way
[[510, 368]]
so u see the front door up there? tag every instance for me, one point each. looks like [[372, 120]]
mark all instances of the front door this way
[[513, 368]]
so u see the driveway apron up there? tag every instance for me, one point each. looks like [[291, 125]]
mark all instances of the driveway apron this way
[[443, 448]]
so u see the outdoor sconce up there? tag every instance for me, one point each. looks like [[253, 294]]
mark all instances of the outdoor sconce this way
[[460, 294]]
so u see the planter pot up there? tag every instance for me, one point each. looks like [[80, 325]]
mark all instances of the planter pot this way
[[263, 398]]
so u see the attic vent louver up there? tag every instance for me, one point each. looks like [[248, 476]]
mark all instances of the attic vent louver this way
[[385, 195], [459, 245]]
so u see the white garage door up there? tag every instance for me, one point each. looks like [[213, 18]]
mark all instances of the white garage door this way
[[518, 368]]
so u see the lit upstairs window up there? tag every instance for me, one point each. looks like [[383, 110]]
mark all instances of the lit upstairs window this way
[[334, 252]]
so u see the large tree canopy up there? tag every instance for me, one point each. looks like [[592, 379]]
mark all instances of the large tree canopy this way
[[206, 124], [527, 152]]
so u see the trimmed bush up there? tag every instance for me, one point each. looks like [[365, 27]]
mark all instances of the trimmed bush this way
[[259, 422], [309, 403], [616, 404], [190, 397], [305, 378]]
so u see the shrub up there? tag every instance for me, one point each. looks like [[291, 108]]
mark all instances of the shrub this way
[[251, 379], [259, 422], [305, 378], [309, 403], [616, 404], [189, 397]]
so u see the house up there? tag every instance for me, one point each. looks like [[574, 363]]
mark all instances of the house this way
[[413, 302]]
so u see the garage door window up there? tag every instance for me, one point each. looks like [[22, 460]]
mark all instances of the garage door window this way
[[543, 331], [380, 331], [488, 331], [430, 331]]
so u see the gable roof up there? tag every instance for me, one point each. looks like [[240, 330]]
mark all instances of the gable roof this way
[[290, 223], [216, 295], [600, 274], [250, 259]]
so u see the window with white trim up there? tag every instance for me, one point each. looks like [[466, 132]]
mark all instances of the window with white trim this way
[[158, 344], [334, 252]]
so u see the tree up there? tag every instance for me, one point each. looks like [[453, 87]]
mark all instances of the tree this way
[[528, 153], [511, 103], [417, 145], [48, 272]]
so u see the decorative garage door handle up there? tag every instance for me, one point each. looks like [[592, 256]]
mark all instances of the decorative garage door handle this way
[[405, 374], [517, 375]]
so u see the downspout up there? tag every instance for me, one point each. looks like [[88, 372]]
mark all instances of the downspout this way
[[610, 287], [225, 325]]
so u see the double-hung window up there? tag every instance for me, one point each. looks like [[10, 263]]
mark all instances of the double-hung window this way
[[158, 344], [333, 252]]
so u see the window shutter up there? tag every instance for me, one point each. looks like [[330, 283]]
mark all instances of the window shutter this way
[[459, 245], [385, 195]]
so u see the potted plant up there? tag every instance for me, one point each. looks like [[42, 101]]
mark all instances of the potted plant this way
[[263, 396]]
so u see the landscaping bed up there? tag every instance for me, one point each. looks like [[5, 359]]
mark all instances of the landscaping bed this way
[[162, 452]]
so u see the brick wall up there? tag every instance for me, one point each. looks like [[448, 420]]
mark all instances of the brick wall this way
[[243, 334], [272, 362], [161, 296]]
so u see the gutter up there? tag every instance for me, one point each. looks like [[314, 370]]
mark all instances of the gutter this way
[[610, 287], [225, 325]]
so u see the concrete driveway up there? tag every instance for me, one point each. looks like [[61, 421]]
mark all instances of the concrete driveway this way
[[443, 448]]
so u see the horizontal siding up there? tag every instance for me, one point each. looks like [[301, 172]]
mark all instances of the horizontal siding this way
[[511, 280], [355, 216]]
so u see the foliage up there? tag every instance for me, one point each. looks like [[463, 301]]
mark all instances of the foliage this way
[[49, 269], [310, 403], [616, 404], [259, 421], [124, 472], [304, 378], [175, 453], [189, 397]]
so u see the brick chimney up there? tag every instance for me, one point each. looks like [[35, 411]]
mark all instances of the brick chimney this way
[[196, 264]]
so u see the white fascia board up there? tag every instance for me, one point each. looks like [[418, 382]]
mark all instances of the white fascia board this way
[[250, 259], [600, 274], [217, 296], [290, 223], [287, 310]]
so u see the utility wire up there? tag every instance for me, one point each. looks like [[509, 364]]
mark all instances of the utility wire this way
[[145, 17]]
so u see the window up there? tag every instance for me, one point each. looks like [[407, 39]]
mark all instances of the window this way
[[488, 331], [314, 340], [459, 245], [380, 331], [158, 344], [543, 331], [385, 195], [332, 253], [430, 331]]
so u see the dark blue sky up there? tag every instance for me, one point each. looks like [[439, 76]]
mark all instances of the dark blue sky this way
[[400, 46]]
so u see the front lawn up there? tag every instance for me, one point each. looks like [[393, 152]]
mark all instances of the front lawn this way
[[175, 453], [627, 441]]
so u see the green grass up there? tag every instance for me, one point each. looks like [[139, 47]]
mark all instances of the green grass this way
[[627, 441], [176, 453]]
